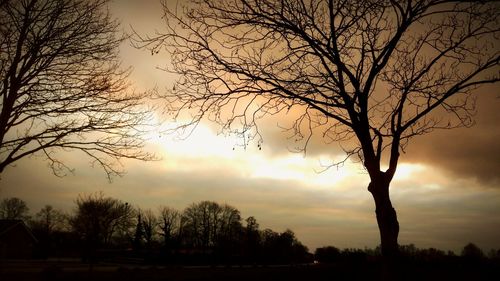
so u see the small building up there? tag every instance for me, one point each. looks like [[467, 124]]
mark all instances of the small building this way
[[16, 240]]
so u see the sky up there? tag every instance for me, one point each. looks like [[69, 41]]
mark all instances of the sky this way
[[446, 190]]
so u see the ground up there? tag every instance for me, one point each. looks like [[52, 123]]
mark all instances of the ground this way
[[75, 271]]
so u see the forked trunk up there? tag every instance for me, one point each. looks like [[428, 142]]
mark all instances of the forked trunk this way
[[387, 223]]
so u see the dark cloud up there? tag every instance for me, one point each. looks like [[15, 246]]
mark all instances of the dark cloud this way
[[465, 152], [449, 214], [461, 153]]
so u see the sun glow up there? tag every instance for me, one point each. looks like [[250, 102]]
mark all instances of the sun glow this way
[[300, 168], [204, 149], [202, 143], [406, 171]]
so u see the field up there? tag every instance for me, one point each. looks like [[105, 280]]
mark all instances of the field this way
[[75, 271]]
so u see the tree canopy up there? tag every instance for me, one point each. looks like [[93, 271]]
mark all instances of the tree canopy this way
[[62, 87]]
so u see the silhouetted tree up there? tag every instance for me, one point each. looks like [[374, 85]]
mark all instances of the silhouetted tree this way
[[139, 234], [62, 87], [49, 220], [149, 225], [169, 222], [472, 252], [98, 219], [46, 225], [14, 209], [371, 74], [494, 254], [207, 224], [252, 239], [282, 247], [408, 250], [327, 254]]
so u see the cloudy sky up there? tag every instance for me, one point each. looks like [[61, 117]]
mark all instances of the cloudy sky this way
[[446, 191]]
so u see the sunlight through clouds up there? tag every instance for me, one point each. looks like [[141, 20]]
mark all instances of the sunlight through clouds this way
[[225, 153], [202, 143], [406, 171]]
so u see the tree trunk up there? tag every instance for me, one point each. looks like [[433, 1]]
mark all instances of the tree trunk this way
[[387, 223]]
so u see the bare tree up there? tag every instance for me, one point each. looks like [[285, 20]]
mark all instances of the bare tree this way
[[13, 209], [149, 225], [99, 219], [369, 74], [49, 220], [48, 226], [208, 224], [169, 222], [62, 87]]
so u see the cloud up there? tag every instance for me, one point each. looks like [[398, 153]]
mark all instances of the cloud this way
[[433, 210], [436, 211], [465, 152], [460, 153]]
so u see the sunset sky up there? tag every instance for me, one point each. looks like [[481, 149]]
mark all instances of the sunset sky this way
[[446, 190]]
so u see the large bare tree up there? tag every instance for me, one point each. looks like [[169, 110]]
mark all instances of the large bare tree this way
[[62, 87], [369, 74]]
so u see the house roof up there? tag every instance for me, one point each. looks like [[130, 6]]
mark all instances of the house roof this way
[[8, 225]]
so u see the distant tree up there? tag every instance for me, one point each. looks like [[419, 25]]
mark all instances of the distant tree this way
[[207, 224], [494, 254], [327, 254], [472, 251], [352, 255], [252, 238], [150, 226], [282, 247], [228, 238], [229, 224], [99, 219], [169, 222], [252, 225], [14, 209], [432, 254], [293, 248], [408, 250], [50, 226], [139, 234], [370, 74], [49, 220], [62, 87]]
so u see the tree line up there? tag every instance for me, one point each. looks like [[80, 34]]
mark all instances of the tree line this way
[[470, 253], [102, 227], [413, 263], [106, 227]]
